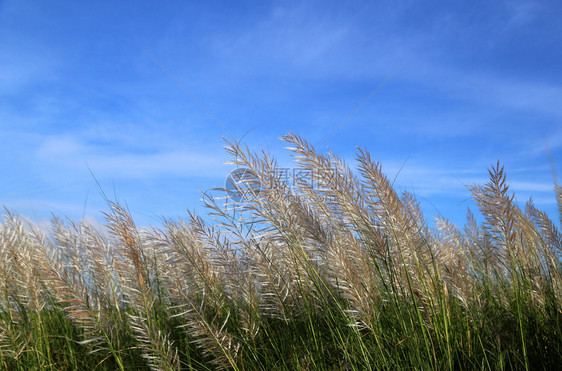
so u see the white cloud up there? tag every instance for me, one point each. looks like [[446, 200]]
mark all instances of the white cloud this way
[[521, 12], [18, 70], [69, 153], [172, 163], [528, 186], [301, 42]]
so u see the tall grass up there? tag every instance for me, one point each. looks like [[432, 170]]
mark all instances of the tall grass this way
[[339, 273]]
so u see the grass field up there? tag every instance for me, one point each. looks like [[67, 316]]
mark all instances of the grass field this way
[[340, 274]]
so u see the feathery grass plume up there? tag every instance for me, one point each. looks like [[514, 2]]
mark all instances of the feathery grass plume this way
[[405, 235], [372, 213], [22, 283], [499, 210], [263, 253], [342, 200], [454, 260], [70, 247], [12, 307], [411, 270], [523, 253], [189, 266], [140, 293], [25, 297], [104, 269], [231, 258], [92, 256], [215, 341], [335, 270], [193, 280], [11, 344], [548, 259], [81, 305], [236, 259], [228, 282], [271, 213], [481, 248], [336, 199], [515, 233], [547, 229], [278, 212]]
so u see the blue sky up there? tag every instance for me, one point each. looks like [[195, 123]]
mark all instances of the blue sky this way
[[80, 86]]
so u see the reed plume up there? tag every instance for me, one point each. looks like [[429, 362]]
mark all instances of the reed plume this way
[[328, 267]]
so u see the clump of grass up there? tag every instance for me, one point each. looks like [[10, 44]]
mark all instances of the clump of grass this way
[[344, 273]]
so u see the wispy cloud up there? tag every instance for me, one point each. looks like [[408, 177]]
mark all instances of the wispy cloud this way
[[72, 153], [479, 87], [521, 12]]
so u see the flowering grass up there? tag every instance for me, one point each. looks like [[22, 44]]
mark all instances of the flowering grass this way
[[341, 274]]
